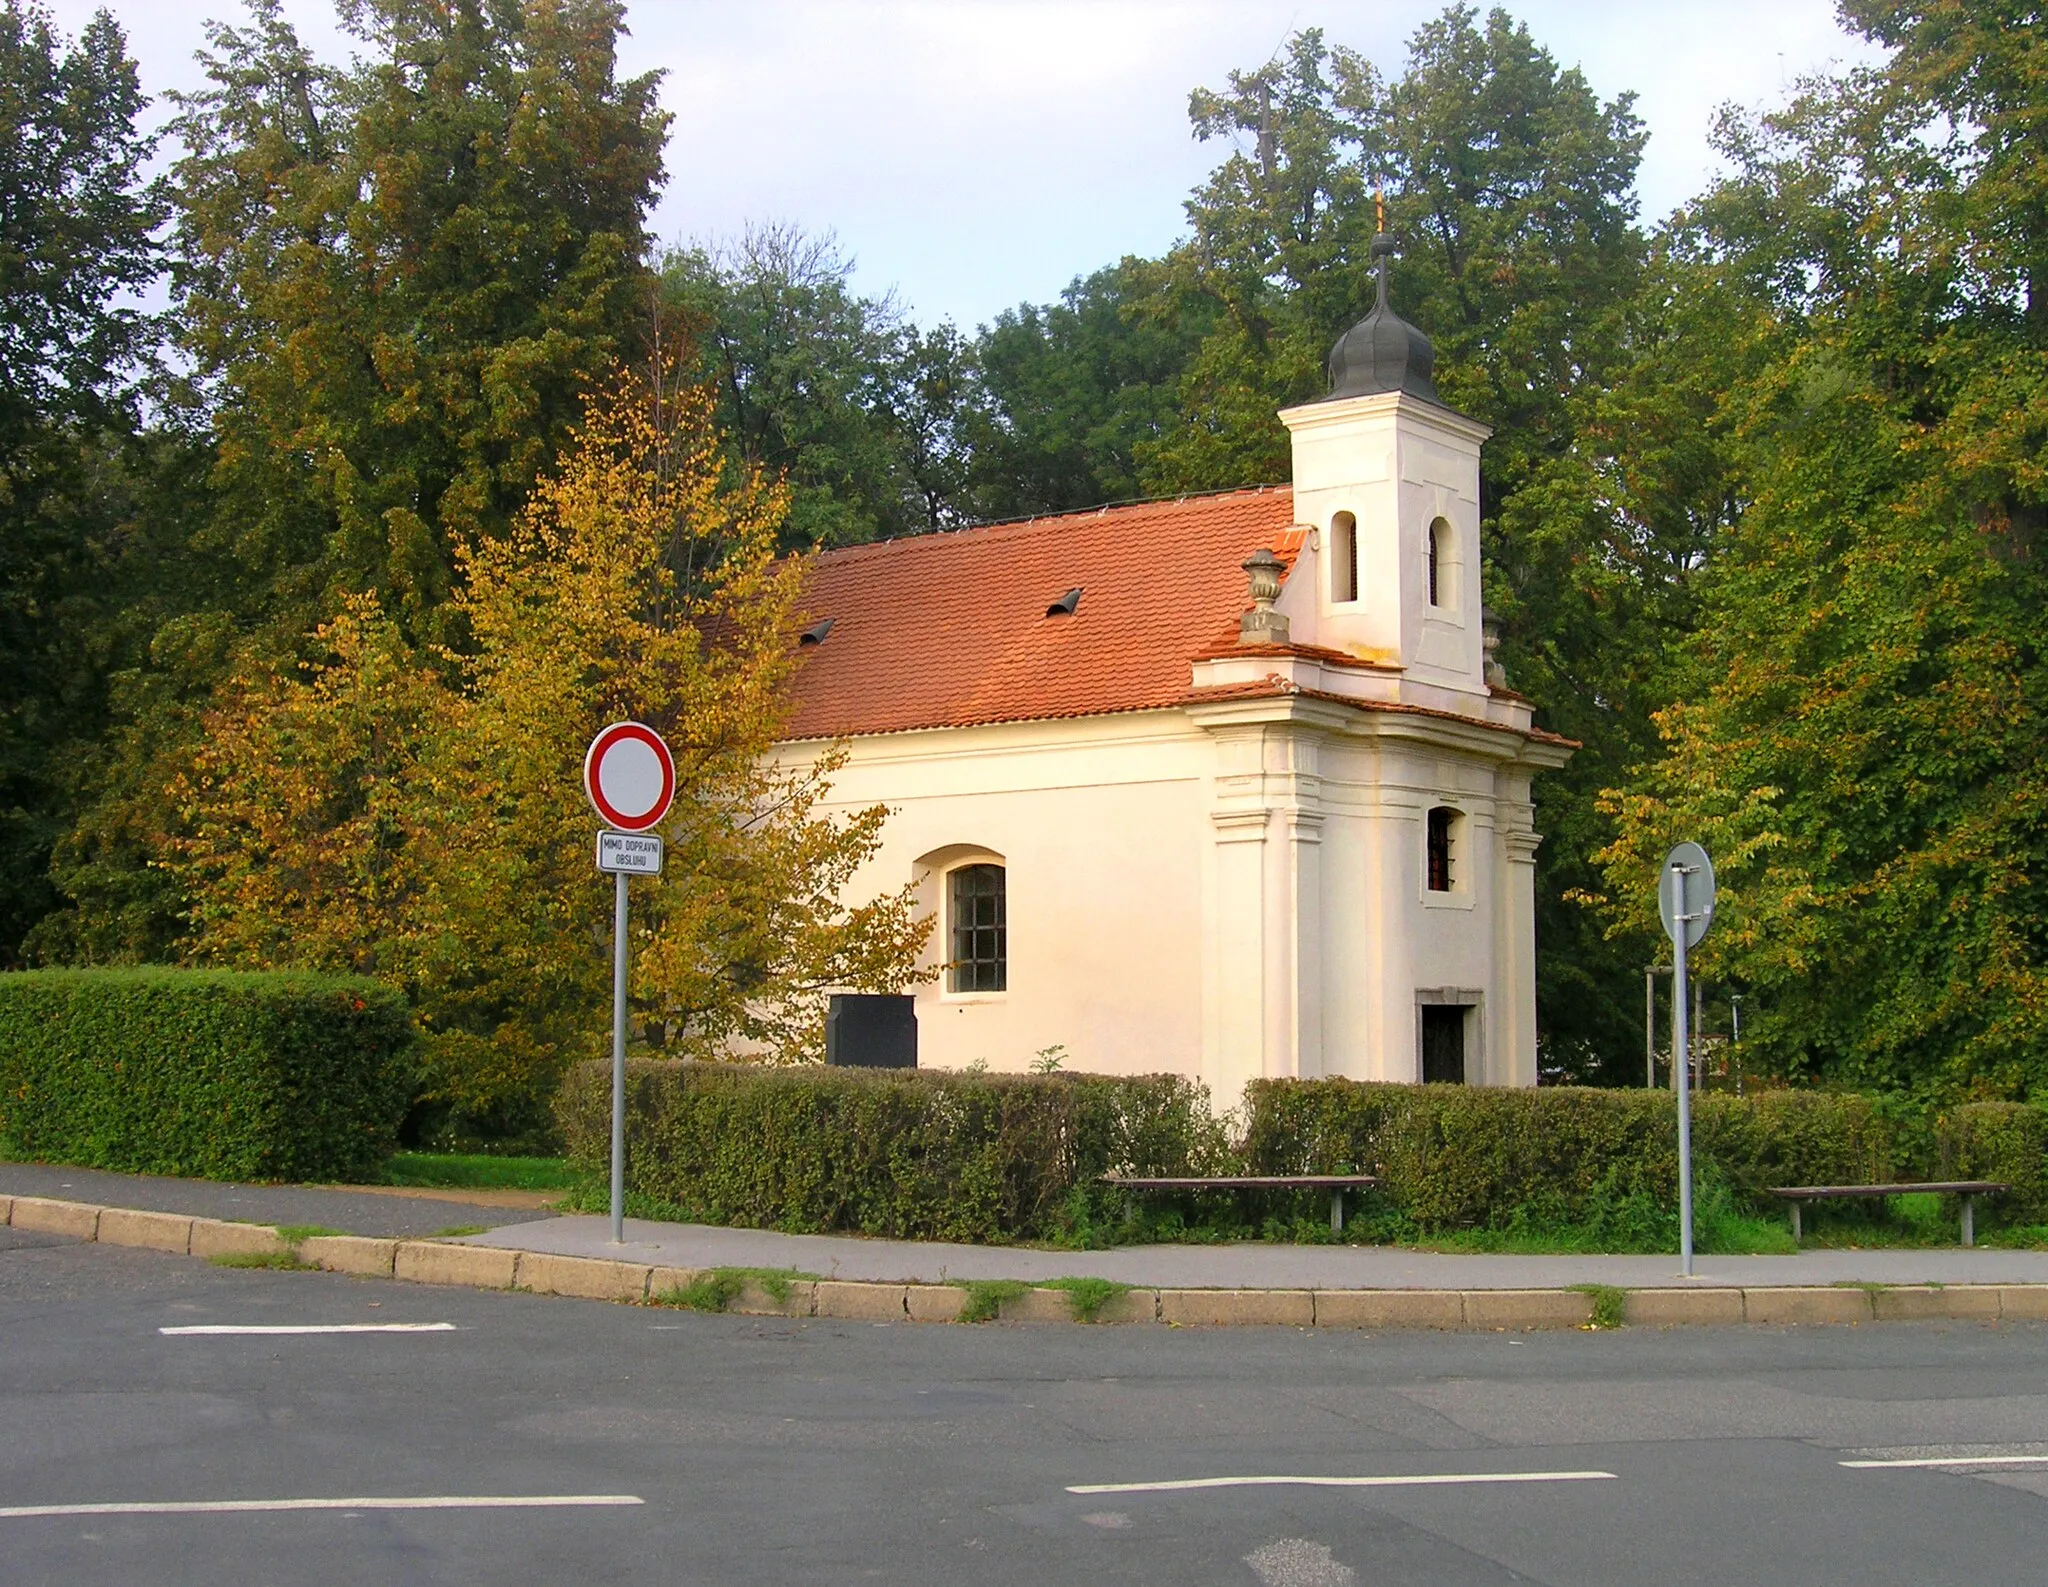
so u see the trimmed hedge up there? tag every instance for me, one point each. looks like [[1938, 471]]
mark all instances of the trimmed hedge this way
[[1462, 1157], [915, 1154], [2004, 1141], [209, 1074], [998, 1158]]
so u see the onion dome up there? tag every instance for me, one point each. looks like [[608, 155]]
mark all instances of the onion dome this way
[[1382, 352]]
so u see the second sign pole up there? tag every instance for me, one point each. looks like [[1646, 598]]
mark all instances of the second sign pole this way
[[619, 1061]]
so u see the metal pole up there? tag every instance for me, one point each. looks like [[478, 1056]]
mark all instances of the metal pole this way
[[619, 1063], [1735, 1040], [1680, 1047], [1696, 1061], [1650, 1028]]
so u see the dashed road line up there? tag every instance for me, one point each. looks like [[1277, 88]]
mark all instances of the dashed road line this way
[[311, 1328], [540, 1501], [1946, 1460], [1444, 1479]]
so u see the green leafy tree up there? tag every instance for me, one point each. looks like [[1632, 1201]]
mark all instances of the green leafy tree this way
[[1066, 393], [1860, 738], [398, 277], [841, 395], [395, 281], [78, 219]]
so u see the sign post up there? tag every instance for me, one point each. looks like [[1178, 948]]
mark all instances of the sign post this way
[[631, 780], [1685, 901]]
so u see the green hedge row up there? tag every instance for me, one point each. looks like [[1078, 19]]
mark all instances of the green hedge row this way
[[210, 1074], [910, 1155], [2003, 1141], [933, 1155], [1460, 1157]]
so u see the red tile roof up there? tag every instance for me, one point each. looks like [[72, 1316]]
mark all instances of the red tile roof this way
[[949, 630]]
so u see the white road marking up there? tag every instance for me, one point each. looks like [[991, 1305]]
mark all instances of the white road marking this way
[[1948, 1460], [1445, 1479], [541, 1501], [312, 1328]]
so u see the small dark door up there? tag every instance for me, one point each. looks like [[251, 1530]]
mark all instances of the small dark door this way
[[1443, 1044], [865, 1031]]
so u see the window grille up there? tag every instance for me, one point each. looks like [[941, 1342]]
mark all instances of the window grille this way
[[981, 946]]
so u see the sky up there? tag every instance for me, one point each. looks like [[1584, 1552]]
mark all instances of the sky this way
[[973, 154]]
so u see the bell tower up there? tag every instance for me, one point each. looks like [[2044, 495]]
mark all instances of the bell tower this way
[[1388, 478]]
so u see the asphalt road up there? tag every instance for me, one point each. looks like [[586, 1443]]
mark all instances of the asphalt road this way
[[821, 1452]]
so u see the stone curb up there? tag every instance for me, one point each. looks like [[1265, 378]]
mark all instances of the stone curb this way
[[1378, 1310]]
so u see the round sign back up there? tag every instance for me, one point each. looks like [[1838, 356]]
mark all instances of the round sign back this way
[[630, 776], [1686, 865]]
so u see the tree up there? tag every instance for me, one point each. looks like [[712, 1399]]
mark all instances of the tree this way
[[418, 815], [840, 394], [1860, 736], [1511, 185], [1067, 393], [77, 238], [395, 283], [398, 278]]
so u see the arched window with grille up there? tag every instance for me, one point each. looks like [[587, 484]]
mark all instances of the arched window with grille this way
[[1437, 551], [977, 916]]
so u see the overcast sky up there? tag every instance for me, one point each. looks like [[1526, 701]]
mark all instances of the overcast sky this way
[[977, 153]]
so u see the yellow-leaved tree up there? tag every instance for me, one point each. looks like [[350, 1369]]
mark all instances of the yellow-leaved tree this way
[[417, 813]]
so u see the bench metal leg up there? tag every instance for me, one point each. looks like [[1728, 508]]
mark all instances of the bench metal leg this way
[[1969, 1220], [1337, 1212], [1795, 1220]]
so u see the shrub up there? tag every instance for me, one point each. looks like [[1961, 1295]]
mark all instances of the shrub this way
[[1461, 1157], [906, 1154], [2004, 1141], [212, 1074]]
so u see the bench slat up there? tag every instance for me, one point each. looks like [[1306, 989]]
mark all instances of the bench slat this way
[[1947, 1187], [1243, 1182]]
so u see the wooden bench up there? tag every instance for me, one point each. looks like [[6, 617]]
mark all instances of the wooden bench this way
[[1968, 1189], [1335, 1184]]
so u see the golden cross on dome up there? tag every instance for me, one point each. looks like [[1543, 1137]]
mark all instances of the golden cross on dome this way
[[1379, 207]]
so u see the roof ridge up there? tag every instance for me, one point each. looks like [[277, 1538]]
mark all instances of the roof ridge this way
[[1130, 509]]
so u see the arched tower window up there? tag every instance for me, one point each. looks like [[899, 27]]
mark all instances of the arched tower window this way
[[1438, 553], [1343, 557]]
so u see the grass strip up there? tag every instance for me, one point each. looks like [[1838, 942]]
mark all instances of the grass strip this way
[[1609, 1303], [294, 1234], [1088, 1295], [275, 1261], [985, 1297], [476, 1171], [715, 1289]]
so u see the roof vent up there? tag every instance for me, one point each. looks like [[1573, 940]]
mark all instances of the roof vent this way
[[1064, 606], [815, 634]]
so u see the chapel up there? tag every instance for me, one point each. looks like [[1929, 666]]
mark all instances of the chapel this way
[[1229, 785]]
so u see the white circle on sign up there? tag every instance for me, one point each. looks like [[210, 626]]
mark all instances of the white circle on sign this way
[[631, 777]]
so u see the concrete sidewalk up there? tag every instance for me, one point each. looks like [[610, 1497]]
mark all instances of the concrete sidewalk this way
[[1247, 1266], [372, 1210]]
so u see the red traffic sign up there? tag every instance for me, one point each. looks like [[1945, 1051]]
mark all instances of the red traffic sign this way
[[630, 776]]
